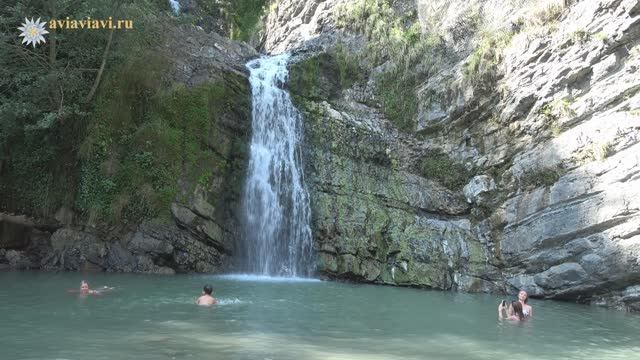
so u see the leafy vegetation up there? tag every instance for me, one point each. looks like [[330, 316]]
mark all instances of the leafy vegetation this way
[[545, 12], [482, 65], [440, 167], [241, 17], [557, 109], [399, 100], [601, 36], [89, 120], [133, 163], [47, 94], [322, 77], [399, 39], [545, 176], [580, 36]]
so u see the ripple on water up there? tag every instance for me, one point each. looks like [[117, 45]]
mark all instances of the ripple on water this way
[[234, 301]]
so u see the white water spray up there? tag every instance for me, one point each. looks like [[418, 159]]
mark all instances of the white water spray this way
[[175, 6], [276, 202]]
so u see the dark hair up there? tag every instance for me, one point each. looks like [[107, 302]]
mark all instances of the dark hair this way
[[517, 309], [208, 289]]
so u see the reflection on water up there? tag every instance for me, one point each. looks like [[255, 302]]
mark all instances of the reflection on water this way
[[153, 317]]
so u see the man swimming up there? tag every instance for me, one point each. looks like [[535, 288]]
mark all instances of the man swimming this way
[[206, 299]]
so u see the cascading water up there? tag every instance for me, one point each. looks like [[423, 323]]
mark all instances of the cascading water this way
[[175, 6], [276, 203]]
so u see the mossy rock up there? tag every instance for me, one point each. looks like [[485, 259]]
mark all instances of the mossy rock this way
[[316, 78]]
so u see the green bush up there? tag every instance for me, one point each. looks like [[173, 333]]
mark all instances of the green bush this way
[[323, 76], [440, 167], [545, 176], [482, 64], [399, 100]]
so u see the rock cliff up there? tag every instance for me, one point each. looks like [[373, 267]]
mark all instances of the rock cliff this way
[[527, 113]]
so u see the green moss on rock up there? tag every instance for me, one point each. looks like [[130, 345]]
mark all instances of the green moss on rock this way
[[323, 76]]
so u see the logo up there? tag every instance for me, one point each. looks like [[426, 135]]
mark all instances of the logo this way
[[33, 32]]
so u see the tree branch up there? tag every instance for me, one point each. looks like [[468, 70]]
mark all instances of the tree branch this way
[[101, 70]]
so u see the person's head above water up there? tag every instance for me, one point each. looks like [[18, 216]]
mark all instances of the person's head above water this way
[[84, 286], [523, 296], [517, 309], [207, 289]]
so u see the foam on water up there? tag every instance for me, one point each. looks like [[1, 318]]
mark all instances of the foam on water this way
[[234, 301]]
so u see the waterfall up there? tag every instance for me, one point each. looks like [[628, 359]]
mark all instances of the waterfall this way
[[275, 201], [175, 6]]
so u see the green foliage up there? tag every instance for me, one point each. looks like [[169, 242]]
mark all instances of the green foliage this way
[[545, 176], [127, 152], [606, 149], [557, 109], [400, 39], [314, 78], [323, 76], [349, 69], [43, 92], [549, 11], [241, 17], [399, 101], [245, 15], [482, 65], [144, 144], [392, 36], [438, 166], [580, 36], [601, 36]]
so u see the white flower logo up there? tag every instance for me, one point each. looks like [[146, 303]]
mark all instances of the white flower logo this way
[[33, 31]]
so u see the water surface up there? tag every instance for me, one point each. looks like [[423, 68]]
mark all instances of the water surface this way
[[154, 317]]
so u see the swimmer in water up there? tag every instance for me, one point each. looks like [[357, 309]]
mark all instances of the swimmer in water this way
[[85, 290], [206, 299], [511, 312], [527, 309]]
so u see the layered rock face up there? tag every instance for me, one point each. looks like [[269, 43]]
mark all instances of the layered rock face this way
[[295, 24], [202, 230], [546, 121]]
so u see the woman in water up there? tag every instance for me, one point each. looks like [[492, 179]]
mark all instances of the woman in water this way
[[85, 290], [514, 312], [523, 298]]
